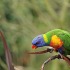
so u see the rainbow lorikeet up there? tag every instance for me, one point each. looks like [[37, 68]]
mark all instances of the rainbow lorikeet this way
[[58, 40]]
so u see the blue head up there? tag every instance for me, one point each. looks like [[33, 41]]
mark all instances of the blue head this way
[[38, 42]]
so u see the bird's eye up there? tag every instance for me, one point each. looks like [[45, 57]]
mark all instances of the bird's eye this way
[[37, 42]]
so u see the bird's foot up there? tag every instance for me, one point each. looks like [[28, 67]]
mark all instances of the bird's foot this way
[[50, 49]]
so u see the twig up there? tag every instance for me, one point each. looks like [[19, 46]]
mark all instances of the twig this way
[[7, 53]]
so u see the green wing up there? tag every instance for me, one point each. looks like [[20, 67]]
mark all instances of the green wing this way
[[63, 35]]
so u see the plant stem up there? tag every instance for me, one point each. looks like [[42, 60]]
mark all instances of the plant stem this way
[[7, 53]]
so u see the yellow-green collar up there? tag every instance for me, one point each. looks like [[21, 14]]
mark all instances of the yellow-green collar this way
[[45, 38]]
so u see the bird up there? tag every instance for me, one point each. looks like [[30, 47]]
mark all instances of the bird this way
[[58, 40]]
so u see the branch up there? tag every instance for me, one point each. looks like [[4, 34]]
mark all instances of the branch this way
[[50, 59], [7, 53], [41, 52], [66, 59]]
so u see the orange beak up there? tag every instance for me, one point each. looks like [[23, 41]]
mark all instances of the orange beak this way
[[34, 47]]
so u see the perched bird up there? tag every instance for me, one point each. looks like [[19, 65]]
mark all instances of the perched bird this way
[[58, 40]]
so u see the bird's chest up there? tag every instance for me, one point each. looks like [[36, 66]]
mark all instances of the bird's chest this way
[[56, 42]]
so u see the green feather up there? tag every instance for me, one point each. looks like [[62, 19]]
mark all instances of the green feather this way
[[63, 35]]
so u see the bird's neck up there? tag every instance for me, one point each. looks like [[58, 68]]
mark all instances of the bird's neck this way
[[45, 38]]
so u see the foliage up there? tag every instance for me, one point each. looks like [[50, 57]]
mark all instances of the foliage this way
[[22, 20]]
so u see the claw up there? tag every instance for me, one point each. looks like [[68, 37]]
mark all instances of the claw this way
[[50, 49]]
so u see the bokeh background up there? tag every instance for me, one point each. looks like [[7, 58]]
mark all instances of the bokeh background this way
[[22, 20]]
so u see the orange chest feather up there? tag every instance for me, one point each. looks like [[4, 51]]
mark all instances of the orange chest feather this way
[[56, 42]]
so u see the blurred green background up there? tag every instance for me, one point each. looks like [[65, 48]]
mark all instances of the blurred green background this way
[[22, 20]]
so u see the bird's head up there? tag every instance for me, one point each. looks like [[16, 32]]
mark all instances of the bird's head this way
[[39, 41]]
